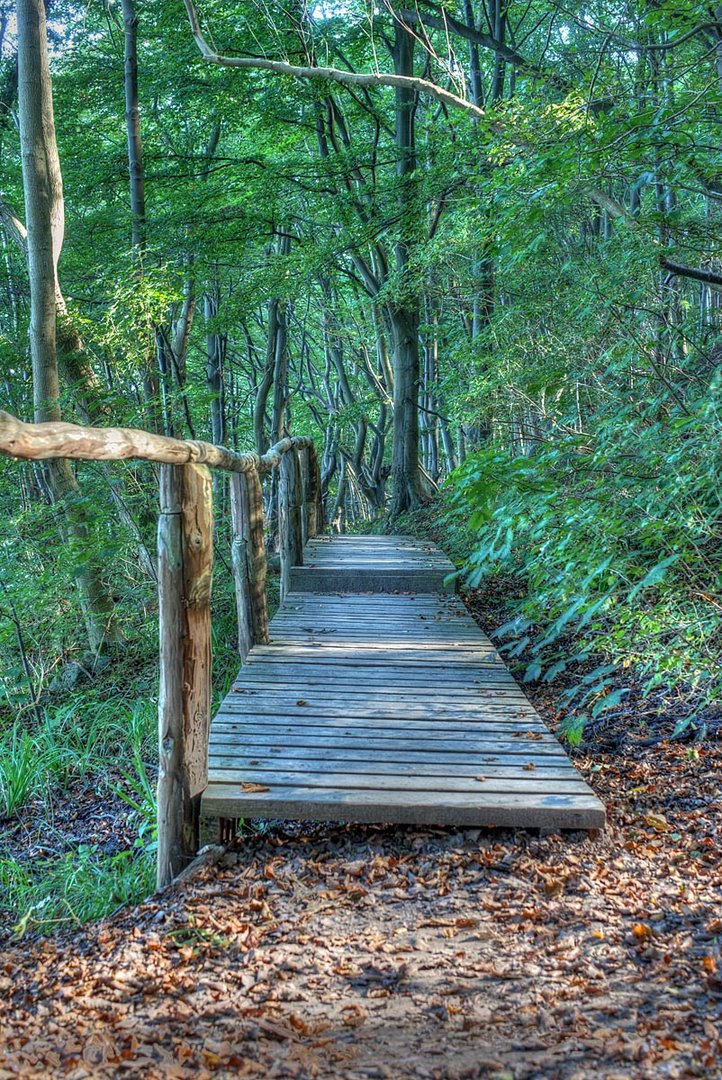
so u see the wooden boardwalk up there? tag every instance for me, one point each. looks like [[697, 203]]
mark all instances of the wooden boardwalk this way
[[385, 706]]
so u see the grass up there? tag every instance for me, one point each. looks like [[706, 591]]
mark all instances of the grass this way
[[82, 747], [81, 885], [77, 791], [20, 770]]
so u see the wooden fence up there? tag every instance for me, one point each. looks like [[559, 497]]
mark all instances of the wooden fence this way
[[185, 576]]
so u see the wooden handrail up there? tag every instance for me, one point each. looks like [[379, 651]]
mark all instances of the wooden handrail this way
[[185, 573], [61, 440]]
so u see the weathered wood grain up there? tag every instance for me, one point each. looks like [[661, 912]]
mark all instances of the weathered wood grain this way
[[290, 525], [386, 706], [185, 572], [401, 807], [248, 552]]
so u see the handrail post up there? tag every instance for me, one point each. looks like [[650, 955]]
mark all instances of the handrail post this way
[[314, 498], [290, 503], [304, 457], [185, 572], [248, 551]]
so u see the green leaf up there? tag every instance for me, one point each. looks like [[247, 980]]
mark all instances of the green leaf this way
[[655, 575]]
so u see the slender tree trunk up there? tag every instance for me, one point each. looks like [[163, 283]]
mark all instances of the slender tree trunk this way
[[44, 215], [215, 366], [264, 387], [137, 197], [407, 488]]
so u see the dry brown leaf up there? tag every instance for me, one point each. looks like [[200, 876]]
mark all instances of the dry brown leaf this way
[[250, 788], [553, 886], [657, 822], [354, 1015]]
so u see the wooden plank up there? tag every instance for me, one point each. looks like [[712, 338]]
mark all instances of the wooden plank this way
[[426, 737], [489, 744], [253, 729], [387, 706], [276, 734], [422, 718], [373, 668], [380, 653], [393, 683], [433, 808], [503, 763], [306, 579], [302, 687], [384, 703], [303, 759], [381, 783]]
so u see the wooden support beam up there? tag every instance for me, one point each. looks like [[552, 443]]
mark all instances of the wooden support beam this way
[[314, 498], [304, 461], [249, 561], [185, 572], [290, 504]]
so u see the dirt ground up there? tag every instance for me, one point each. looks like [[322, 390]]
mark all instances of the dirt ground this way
[[350, 951]]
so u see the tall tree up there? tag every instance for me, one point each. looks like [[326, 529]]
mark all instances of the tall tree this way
[[45, 222]]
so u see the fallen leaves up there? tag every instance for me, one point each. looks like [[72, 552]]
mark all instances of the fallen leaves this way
[[657, 822], [250, 788]]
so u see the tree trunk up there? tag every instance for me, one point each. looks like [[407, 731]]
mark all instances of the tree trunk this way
[[407, 488], [44, 216], [290, 504], [215, 366], [137, 197]]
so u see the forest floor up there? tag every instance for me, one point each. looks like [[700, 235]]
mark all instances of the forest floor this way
[[358, 951]]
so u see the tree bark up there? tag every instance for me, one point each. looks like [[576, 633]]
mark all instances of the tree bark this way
[[185, 573], [215, 366], [132, 124], [290, 506], [45, 222], [407, 488]]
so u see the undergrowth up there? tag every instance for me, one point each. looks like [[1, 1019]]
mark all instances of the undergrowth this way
[[612, 545], [94, 749]]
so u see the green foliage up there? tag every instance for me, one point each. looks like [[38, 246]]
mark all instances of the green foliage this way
[[615, 533], [83, 884], [79, 742], [21, 770]]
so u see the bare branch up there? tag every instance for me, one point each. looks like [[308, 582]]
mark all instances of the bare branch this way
[[345, 78], [708, 277]]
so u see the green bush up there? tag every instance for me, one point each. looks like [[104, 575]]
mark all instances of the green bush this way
[[616, 535]]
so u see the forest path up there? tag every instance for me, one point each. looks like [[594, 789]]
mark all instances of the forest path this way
[[378, 699]]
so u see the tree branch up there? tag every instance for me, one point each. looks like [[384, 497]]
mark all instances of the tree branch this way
[[345, 78], [709, 277], [13, 227]]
